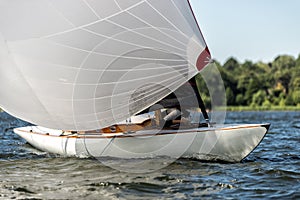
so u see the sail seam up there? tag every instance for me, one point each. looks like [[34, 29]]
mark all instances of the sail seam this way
[[92, 23], [94, 12], [119, 56], [158, 29], [168, 19]]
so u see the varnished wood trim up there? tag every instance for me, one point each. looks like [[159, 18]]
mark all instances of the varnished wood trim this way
[[107, 136]]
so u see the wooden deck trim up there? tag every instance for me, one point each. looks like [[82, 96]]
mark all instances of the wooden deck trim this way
[[160, 133]]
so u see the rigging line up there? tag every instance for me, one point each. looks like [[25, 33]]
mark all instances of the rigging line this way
[[92, 23]]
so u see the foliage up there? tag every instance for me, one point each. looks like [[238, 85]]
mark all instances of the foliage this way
[[264, 85]]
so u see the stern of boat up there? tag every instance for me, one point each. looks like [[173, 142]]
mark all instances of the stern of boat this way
[[231, 143]]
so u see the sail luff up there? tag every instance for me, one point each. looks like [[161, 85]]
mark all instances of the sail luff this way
[[205, 56]]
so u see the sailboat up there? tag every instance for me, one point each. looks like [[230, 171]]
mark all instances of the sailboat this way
[[112, 78]]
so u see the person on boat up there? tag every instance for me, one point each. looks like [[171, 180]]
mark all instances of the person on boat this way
[[170, 116]]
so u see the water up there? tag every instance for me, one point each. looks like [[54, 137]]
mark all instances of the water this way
[[271, 171]]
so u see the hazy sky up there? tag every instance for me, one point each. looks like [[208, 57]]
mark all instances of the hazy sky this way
[[249, 29]]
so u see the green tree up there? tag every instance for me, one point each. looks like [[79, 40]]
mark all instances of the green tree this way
[[283, 62], [230, 97], [267, 104], [289, 100], [240, 101], [266, 84], [298, 61], [295, 83], [259, 97], [231, 65], [284, 77], [296, 97]]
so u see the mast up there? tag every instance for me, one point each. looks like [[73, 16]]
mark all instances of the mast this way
[[200, 101]]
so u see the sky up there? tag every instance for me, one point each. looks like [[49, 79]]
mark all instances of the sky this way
[[256, 30]]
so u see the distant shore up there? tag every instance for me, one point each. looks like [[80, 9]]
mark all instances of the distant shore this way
[[262, 108], [251, 108]]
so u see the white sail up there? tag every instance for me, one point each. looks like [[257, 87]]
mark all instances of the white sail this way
[[87, 64]]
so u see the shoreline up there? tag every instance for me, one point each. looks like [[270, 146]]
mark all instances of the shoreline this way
[[262, 108], [250, 108]]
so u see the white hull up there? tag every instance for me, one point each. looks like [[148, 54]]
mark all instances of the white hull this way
[[230, 143]]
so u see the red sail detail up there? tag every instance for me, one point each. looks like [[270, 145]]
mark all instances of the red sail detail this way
[[203, 59]]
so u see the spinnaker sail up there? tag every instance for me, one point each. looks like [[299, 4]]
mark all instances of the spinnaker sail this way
[[87, 64]]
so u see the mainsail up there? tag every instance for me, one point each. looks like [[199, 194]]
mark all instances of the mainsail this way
[[87, 64]]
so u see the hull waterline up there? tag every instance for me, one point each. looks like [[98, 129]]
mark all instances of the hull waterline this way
[[230, 143]]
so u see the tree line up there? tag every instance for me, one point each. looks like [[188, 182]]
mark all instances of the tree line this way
[[259, 84]]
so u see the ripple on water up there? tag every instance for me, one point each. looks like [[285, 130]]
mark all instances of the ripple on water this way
[[271, 171]]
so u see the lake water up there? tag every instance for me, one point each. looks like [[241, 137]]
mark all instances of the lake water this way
[[271, 171]]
